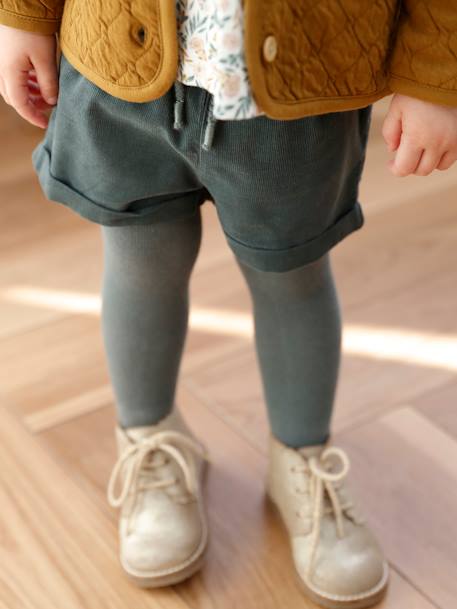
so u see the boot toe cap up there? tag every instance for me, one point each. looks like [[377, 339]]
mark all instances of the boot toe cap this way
[[346, 570], [163, 549], [359, 576], [146, 555]]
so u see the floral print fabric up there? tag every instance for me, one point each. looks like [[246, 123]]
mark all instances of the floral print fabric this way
[[211, 55]]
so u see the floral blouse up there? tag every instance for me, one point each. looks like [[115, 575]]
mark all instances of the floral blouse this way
[[211, 55]]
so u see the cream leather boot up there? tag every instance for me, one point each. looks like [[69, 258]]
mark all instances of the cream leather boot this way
[[337, 559], [163, 532]]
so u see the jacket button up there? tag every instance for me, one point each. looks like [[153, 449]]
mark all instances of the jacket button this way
[[270, 48]]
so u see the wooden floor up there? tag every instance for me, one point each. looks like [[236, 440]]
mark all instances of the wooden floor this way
[[395, 412]]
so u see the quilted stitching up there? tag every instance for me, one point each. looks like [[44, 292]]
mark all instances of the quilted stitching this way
[[104, 36], [328, 48], [426, 49], [37, 9]]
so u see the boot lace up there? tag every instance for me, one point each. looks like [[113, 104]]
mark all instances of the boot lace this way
[[325, 482], [131, 463]]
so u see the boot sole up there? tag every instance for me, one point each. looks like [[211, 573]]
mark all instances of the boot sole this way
[[171, 578], [323, 601]]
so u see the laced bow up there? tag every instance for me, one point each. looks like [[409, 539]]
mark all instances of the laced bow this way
[[322, 481], [132, 458]]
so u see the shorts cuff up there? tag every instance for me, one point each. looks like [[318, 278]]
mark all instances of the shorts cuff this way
[[169, 207], [286, 259]]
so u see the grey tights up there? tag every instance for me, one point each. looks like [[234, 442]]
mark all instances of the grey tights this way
[[145, 307]]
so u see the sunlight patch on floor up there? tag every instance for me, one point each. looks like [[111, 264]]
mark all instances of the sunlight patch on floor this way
[[428, 349]]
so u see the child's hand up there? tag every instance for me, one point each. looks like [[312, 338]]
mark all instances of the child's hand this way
[[423, 134], [28, 73]]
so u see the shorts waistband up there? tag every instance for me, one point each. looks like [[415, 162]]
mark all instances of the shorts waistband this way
[[180, 95]]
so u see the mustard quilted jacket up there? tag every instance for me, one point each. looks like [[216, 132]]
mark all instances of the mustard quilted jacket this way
[[303, 56]]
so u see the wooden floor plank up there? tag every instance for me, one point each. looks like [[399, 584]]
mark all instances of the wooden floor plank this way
[[56, 548], [395, 409], [249, 563], [405, 468], [439, 405]]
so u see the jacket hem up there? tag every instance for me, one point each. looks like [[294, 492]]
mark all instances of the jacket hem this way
[[407, 86], [30, 24], [318, 105]]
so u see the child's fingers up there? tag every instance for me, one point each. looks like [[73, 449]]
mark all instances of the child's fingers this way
[[392, 128], [33, 85], [46, 75], [446, 161], [407, 157], [40, 103], [36, 97], [18, 96], [428, 161]]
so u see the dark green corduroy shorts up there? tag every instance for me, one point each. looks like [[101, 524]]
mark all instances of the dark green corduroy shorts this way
[[285, 191]]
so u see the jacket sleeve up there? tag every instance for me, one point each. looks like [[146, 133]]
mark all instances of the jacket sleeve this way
[[423, 62], [32, 15]]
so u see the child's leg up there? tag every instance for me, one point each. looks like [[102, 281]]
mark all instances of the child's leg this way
[[298, 337], [145, 303]]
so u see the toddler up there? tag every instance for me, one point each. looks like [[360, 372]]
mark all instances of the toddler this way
[[263, 110]]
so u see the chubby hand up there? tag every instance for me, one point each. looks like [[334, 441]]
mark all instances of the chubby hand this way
[[423, 134], [28, 73]]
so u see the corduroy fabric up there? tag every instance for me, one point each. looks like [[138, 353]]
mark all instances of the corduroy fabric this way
[[286, 191]]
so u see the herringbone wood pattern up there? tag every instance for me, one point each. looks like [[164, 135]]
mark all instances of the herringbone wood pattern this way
[[395, 410]]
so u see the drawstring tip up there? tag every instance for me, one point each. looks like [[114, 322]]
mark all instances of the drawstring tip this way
[[209, 132], [210, 125], [178, 122], [179, 104]]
